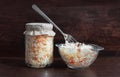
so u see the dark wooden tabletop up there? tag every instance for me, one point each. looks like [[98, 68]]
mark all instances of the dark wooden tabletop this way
[[102, 67]]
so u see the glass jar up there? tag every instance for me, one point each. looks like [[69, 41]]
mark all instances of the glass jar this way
[[39, 44]]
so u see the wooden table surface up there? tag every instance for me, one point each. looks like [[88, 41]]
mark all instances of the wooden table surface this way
[[102, 67]]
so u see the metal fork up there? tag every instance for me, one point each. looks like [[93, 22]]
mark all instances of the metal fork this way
[[67, 37]]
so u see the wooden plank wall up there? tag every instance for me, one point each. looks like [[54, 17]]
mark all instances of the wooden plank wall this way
[[89, 21]]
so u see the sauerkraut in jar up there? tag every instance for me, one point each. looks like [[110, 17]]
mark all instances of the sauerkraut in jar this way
[[39, 44]]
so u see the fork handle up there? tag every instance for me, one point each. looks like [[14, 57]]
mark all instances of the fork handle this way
[[37, 9]]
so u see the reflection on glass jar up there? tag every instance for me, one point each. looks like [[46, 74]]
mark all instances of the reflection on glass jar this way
[[39, 44]]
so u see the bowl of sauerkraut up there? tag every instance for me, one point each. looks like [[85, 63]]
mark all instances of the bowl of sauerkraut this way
[[78, 55]]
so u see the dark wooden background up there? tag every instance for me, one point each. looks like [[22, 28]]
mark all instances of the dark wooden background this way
[[89, 21]]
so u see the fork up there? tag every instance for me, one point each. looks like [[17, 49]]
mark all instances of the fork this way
[[68, 38]]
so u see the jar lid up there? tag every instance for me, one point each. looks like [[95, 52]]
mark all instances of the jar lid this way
[[39, 26], [39, 29]]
